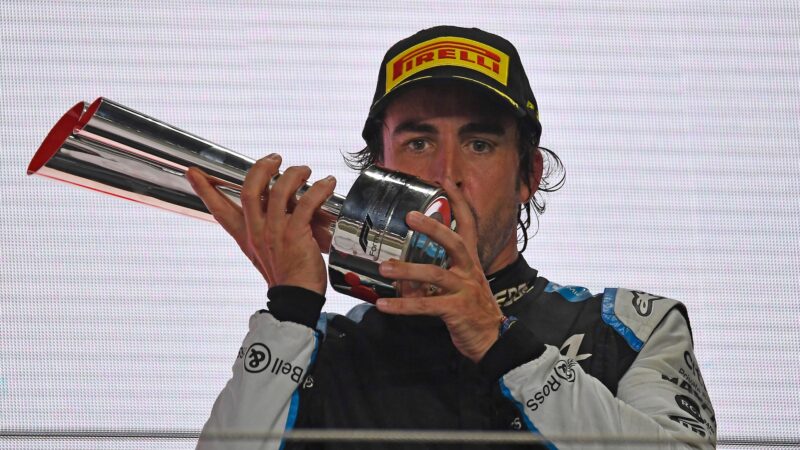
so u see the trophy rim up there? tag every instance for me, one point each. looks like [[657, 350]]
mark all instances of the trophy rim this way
[[56, 138], [87, 116]]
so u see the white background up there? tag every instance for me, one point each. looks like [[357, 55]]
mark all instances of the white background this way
[[678, 123]]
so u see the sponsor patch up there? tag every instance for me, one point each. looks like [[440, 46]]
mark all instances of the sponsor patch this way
[[683, 384], [258, 358], [448, 51], [571, 346], [511, 295], [635, 314], [692, 404], [643, 302], [363, 235], [689, 423], [563, 371], [572, 294], [686, 403]]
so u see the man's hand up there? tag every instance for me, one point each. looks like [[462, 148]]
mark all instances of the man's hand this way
[[465, 302], [279, 243]]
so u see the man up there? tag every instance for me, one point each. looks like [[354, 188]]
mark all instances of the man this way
[[496, 347]]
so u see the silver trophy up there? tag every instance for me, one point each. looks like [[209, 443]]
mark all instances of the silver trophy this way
[[113, 149]]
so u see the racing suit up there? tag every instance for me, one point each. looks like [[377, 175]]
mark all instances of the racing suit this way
[[618, 363]]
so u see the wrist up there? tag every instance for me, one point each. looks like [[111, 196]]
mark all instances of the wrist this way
[[516, 346], [506, 322], [295, 304]]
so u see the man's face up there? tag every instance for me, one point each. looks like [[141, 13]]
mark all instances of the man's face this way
[[440, 131]]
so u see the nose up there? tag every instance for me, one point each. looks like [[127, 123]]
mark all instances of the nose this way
[[449, 163]]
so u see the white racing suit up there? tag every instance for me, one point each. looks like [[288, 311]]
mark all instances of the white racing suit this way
[[614, 365]]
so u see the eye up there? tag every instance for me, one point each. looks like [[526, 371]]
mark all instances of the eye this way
[[480, 146], [417, 145]]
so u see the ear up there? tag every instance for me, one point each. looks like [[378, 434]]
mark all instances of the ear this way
[[535, 177]]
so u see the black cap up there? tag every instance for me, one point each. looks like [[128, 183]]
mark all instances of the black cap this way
[[454, 53]]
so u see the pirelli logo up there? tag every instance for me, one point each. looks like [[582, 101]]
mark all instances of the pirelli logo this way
[[447, 51]]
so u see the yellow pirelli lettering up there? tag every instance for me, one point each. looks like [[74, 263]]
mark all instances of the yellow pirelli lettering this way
[[447, 51]]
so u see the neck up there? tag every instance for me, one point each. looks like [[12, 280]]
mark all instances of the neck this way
[[506, 256]]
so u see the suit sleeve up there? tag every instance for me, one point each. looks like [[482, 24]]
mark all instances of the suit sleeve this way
[[262, 396], [661, 397]]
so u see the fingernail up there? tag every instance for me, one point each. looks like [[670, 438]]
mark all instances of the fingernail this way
[[388, 267], [274, 156], [414, 217], [381, 302], [329, 179]]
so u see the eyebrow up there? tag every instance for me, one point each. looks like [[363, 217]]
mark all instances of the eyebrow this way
[[482, 128], [413, 126]]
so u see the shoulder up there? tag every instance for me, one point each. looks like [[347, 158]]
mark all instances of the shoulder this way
[[636, 314], [633, 314]]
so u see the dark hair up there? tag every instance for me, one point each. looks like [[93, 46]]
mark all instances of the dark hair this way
[[553, 171]]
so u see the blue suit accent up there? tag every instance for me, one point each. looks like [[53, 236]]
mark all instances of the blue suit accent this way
[[291, 418], [610, 317], [573, 294]]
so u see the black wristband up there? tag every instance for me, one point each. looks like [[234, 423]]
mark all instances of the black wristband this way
[[505, 323], [295, 304], [516, 346]]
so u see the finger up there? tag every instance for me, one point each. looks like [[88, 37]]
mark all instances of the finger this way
[[228, 214], [215, 191], [425, 273], [408, 306], [255, 183], [444, 236], [311, 201], [462, 212], [283, 190]]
